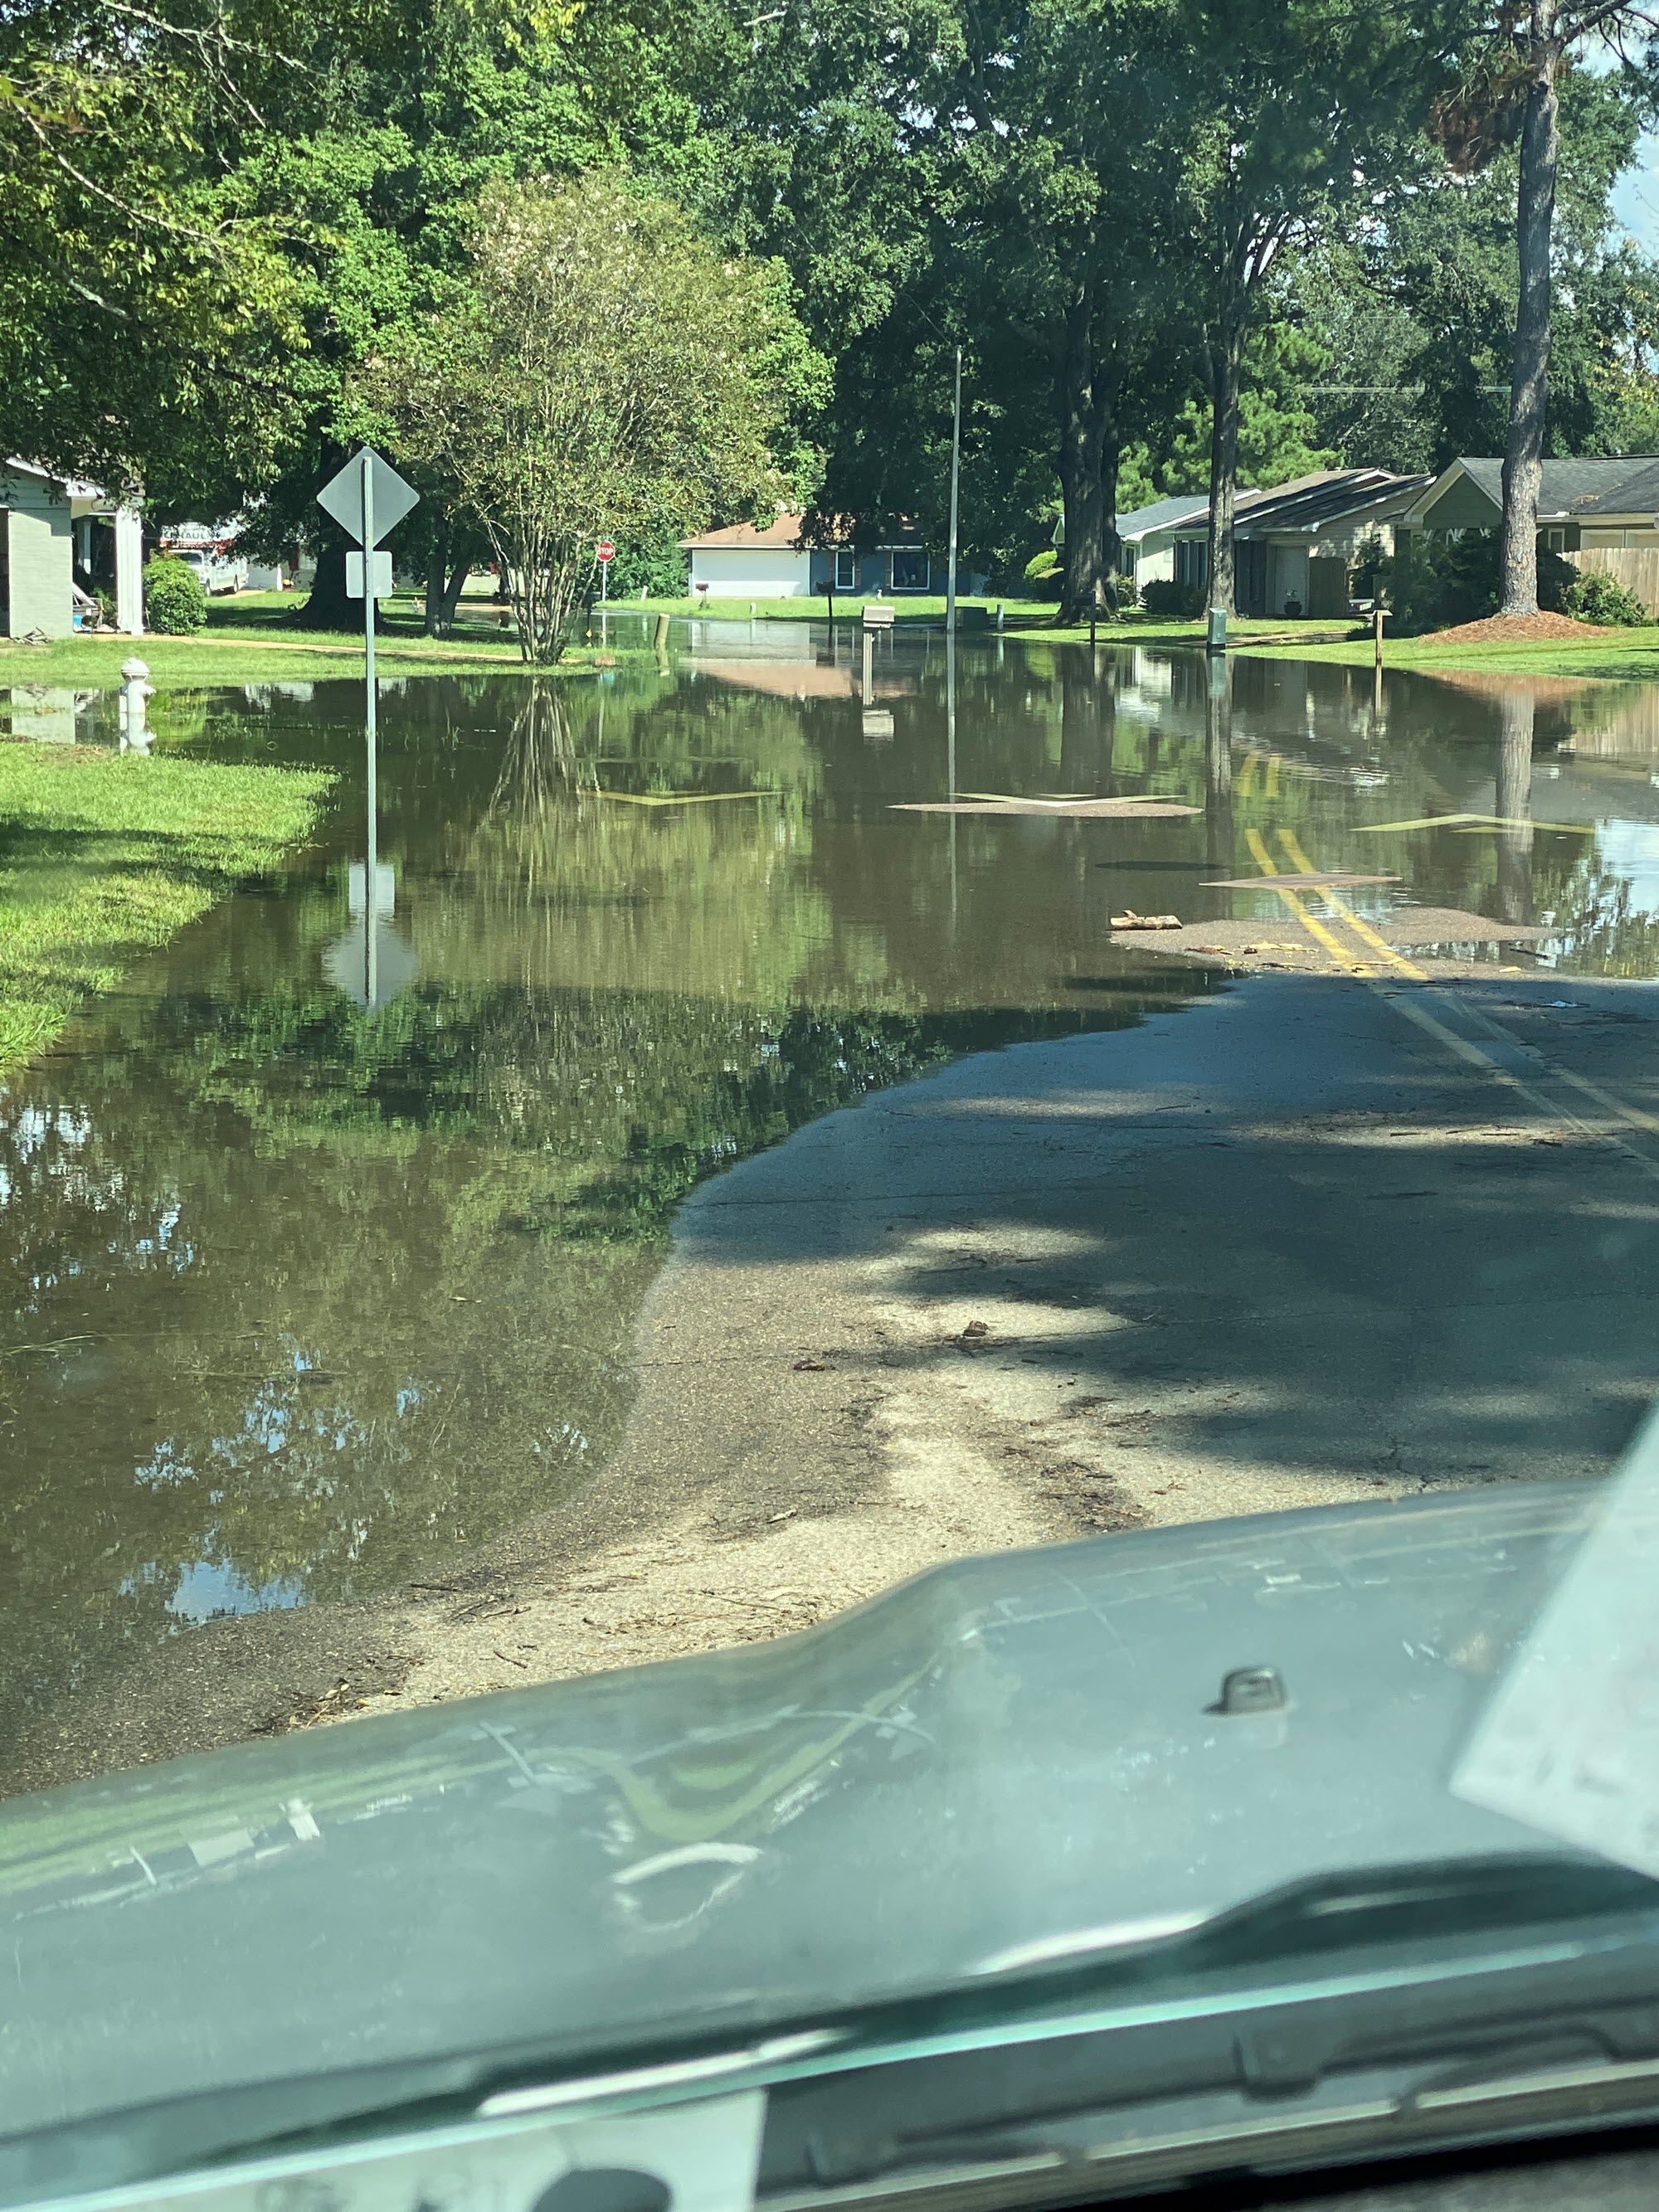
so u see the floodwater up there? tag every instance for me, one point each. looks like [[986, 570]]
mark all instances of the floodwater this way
[[299, 1295]]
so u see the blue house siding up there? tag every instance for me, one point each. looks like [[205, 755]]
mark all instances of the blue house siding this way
[[897, 571]]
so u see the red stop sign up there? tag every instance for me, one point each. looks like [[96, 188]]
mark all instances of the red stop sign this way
[[605, 549]]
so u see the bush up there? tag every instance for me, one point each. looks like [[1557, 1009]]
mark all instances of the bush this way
[[175, 605], [1044, 578], [1171, 601], [1597, 598], [1455, 580], [655, 566]]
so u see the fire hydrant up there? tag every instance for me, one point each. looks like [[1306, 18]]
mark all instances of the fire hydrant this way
[[137, 691]]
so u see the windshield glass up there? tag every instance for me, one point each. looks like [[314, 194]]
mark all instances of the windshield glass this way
[[828, 1129]]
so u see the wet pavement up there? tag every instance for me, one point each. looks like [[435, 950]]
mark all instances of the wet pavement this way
[[304, 1302]]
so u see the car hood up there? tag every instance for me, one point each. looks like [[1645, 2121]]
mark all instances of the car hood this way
[[1007, 1756]]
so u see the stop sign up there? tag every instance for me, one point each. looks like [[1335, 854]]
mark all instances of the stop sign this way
[[605, 549]]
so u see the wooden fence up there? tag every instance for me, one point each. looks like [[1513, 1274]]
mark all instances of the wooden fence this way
[[1637, 567]]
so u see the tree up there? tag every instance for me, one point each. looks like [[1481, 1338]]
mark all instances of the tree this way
[[1084, 260], [1515, 84], [600, 370], [372, 165], [1305, 105], [141, 309], [1410, 306]]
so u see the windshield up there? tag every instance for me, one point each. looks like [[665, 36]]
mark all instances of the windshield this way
[[828, 1131]]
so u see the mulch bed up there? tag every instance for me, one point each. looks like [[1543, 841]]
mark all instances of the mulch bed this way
[[1520, 630]]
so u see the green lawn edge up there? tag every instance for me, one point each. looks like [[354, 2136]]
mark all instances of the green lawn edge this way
[[255, 638], [104, 856], [1620, 655]]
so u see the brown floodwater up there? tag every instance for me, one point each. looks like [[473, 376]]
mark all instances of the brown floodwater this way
[[298, 1294]]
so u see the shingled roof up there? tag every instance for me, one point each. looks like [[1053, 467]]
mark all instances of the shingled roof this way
[[1567, 485], [1634, 494]]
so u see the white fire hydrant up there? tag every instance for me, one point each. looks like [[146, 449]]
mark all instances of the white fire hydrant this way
[[137, 691]]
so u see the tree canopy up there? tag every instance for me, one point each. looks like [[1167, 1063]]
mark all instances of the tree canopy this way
[[598, 367], [1181, 243]]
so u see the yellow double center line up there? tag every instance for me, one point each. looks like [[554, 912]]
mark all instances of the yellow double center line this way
[[1462, 1048], [1354, 964]]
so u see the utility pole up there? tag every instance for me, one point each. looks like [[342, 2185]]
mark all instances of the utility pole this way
[[956, 486]]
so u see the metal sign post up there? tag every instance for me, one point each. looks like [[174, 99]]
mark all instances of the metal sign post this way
[[956, 486], [367, 498], [371, 981]]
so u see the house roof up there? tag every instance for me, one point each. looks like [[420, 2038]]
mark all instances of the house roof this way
[[1309, 504], [1343, 496], [783, 536], [1160, 515], [1634, 494], [1566, 487], [68, 486]]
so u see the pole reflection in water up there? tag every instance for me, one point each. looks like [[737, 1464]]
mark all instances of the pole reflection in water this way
[[370, 964], [1517, 716], [950, 753], [1219, 763]]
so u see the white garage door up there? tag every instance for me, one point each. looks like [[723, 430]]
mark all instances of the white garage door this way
[[757, 574]]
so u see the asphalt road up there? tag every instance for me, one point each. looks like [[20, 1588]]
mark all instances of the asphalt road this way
[[1314, 1237]]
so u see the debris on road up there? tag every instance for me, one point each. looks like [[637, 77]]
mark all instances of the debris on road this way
[[1327, 879], [1133, 920], [1110, 809]]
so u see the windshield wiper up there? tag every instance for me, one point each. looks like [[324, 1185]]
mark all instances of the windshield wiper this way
[[1020, 2053]]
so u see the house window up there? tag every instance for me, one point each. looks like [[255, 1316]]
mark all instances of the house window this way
[[1556, 540], [910, 571], [1192, 561], [846, 571]]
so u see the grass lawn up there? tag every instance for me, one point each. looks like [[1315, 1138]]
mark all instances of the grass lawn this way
[[1619, 653], [251, 639], [103, 855], [1033, 618]]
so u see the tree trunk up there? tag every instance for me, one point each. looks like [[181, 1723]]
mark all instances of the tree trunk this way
[[1111, 455], [1226, 375], [436, 566], [1523, 458], [453, 590], [326, 606], [1081, 431]]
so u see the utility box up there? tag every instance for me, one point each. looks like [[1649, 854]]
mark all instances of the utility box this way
[[1217, 639]]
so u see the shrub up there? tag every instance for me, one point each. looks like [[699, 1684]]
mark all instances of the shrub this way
[[1171, 601], [1597, 598], [1043, 576], [175, 605], [1455, 580], [655, 566]]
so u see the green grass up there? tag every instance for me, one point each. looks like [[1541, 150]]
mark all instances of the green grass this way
[[253, 639], [1035, 618], [104, 855], [1618, 653]]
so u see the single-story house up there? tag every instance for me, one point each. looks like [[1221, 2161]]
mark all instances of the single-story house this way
[[1296, 543], [1600, 512], [743, 562], [1147, 537], [51, 526]]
